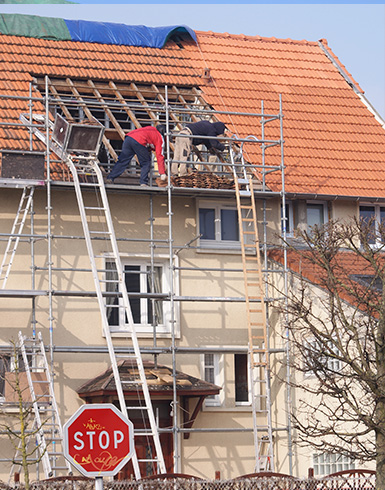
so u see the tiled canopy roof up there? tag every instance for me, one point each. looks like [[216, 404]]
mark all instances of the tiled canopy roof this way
[[159, 379], [333, 143]]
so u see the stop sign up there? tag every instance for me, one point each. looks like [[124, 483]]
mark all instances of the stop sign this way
[[98, 440]]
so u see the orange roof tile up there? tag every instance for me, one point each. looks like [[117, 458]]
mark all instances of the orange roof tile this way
[[333, 144], [348, 266]]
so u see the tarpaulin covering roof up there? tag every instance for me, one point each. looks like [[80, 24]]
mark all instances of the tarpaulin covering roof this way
[[87, 31]]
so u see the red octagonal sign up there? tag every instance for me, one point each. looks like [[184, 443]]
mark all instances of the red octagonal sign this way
[[98, 440]]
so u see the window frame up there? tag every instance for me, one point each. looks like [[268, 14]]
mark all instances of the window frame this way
[[244, 403], [377, 220], [324, 213], [337, 364], [323, 460], [146, 329], [289, 219], [218, 367], [218, 242]]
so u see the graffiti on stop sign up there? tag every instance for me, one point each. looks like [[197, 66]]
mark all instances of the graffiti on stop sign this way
[[98, 440]]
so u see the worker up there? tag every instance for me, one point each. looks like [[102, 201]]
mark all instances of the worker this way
[[190, 136], [141, 142]]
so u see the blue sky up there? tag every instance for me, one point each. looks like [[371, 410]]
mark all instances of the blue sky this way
[[355, 32]]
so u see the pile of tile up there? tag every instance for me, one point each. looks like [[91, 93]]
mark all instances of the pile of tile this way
[[203, 181]]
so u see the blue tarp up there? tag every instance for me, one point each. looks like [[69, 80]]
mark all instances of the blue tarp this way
[[110, 33]]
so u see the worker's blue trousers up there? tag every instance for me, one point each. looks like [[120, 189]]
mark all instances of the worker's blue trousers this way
[[130, 148]]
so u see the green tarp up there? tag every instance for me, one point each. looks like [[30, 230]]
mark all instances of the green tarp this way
[[34, 1], [34, 26]]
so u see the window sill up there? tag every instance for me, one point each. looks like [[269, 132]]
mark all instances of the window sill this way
[[234, 409], [143, 335]]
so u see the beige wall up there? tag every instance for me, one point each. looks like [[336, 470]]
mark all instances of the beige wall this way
[[77, 323]]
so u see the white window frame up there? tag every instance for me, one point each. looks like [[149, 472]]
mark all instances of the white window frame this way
[[326, 463], [217, 242], [289, 219], [377, 220], [215, 400], [247, 402], [146, 329], [325, 210], [334, 364]]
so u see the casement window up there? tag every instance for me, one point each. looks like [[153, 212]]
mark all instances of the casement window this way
[[325, 463], [316, 213], [212, 372], [218, 225], [373, 215], [8, 365], [316, 352], [142, 279], [241, 379], [289, 219]]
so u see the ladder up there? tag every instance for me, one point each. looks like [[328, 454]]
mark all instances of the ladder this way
[[14, 239], [256, 312], [85, 168], [47, 428]]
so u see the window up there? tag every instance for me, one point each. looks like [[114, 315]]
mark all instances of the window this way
[[218, 225], [289, 221], [373, 215], [326, 464], [146, 312], [316, 214], [212, 373], [241, 377], [317, 354]]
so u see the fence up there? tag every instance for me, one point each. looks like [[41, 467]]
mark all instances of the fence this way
[[344, 480]]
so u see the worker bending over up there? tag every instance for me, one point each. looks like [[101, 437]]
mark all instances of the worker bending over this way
[[189, 136], [141, 142]]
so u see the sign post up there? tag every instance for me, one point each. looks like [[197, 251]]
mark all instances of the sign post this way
[[98, 441]]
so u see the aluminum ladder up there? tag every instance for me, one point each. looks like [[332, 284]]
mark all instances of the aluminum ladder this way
[[86, 168], [14, 239], [47, 426], [256, 311]]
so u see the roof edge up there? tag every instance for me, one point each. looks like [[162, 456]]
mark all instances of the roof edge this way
[[323, 44]]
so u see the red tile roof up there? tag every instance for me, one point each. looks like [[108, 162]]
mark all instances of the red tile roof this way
[[348, 266], [333, 144]]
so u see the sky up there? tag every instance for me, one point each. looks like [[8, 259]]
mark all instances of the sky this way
[[355, 32]]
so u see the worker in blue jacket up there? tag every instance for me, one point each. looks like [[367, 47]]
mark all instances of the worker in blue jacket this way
[[191, 135]]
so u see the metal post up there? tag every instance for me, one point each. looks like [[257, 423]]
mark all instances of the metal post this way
[[175, 406], [285, 278], [98, 483]]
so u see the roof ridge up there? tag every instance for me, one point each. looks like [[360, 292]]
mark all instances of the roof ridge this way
[[256, 38]]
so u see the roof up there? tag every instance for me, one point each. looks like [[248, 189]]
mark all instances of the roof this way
[[358, 280], [333, 144], [159, 381]]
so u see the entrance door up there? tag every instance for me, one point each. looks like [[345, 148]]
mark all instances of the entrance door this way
[[144, 445]]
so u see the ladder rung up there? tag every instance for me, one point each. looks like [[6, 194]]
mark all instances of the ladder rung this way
[[100, 232]]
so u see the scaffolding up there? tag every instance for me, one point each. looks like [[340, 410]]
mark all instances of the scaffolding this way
[[128, 107]]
